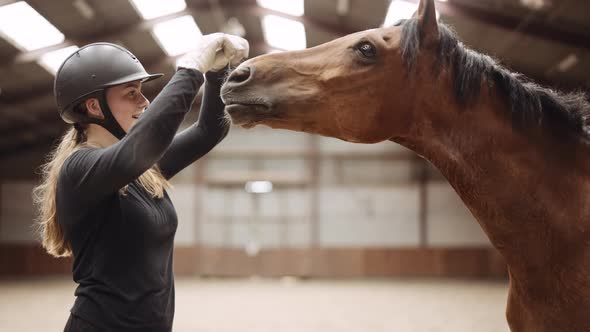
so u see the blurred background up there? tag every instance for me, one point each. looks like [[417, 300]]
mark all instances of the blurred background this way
[[278, 231]]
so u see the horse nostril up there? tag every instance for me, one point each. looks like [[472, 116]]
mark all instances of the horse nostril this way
[[239, 75]]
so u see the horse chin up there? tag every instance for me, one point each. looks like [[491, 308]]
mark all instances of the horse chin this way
[[247, 115]]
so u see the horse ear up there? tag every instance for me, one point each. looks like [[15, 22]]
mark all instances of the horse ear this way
[[426, 15]]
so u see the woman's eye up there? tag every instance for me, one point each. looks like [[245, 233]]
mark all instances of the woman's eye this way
[[132, 93], [367, 49]]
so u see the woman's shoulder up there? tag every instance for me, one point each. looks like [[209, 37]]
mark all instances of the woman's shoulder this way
[[77, 161]]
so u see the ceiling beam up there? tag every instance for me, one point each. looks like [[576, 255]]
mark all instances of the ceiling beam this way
[[118, 32], [7, 2], [337, 29], [113, 33], [534, 28]]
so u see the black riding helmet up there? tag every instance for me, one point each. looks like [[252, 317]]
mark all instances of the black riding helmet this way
[[88, 73]]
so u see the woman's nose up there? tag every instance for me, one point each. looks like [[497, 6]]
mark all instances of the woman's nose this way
[[144, 101]]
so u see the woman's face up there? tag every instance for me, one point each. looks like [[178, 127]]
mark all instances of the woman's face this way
[[126, 103]]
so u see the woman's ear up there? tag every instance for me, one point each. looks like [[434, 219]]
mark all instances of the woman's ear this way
[[93, 108]]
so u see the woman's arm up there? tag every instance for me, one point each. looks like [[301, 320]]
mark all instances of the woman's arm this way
[[98, 172], [195, 141]]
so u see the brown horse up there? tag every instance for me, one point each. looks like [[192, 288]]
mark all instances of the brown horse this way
[[517, 154]]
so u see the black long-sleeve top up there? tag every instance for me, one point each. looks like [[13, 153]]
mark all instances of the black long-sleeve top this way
[[123, 243]]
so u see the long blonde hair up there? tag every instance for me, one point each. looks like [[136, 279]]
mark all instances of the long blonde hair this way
[[44, 195]]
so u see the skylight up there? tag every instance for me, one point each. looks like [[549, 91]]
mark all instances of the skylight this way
[[291, 7], [401, 10], [284, 34], [52, 60], [149, 9], [26, 28], [171, 35]]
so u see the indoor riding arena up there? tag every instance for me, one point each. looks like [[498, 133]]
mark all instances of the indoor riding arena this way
[[301, 219]]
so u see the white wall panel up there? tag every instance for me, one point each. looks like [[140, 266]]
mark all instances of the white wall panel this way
[[369, 216], [262, 137], [184, 198], [212, 233], [299, 234], [227, 202], [366, 171]]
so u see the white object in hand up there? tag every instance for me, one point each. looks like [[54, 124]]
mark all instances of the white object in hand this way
[[214, 52], [235, 49]]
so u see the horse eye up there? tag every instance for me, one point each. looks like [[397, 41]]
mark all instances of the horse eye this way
[[367, 49]]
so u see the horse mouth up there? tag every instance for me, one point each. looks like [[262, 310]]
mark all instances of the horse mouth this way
[[247, 115]]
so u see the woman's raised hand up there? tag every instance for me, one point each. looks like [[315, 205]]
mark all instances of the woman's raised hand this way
[[214, 52]]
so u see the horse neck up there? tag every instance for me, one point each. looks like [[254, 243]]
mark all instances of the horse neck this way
[[526, 193]]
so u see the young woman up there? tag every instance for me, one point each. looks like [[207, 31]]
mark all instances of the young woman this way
[[103, 197]]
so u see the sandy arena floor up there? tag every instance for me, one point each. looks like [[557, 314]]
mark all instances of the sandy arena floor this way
[[287, 305]]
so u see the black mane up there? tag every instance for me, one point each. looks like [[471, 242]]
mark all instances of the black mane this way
[[566, 113]]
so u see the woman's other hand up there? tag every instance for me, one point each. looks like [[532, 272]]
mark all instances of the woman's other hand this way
[[214, 52]]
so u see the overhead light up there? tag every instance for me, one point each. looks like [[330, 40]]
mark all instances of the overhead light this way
[[26, 28], [149, 9], [84, 9], [536, 4], [567, 63], [283, 33], [342, 7], [401, 10], [291, 7], [171, 35], [51, 61], [258, 187]]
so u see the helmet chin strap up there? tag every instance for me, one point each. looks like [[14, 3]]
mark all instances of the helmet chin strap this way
[[109, 122]]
